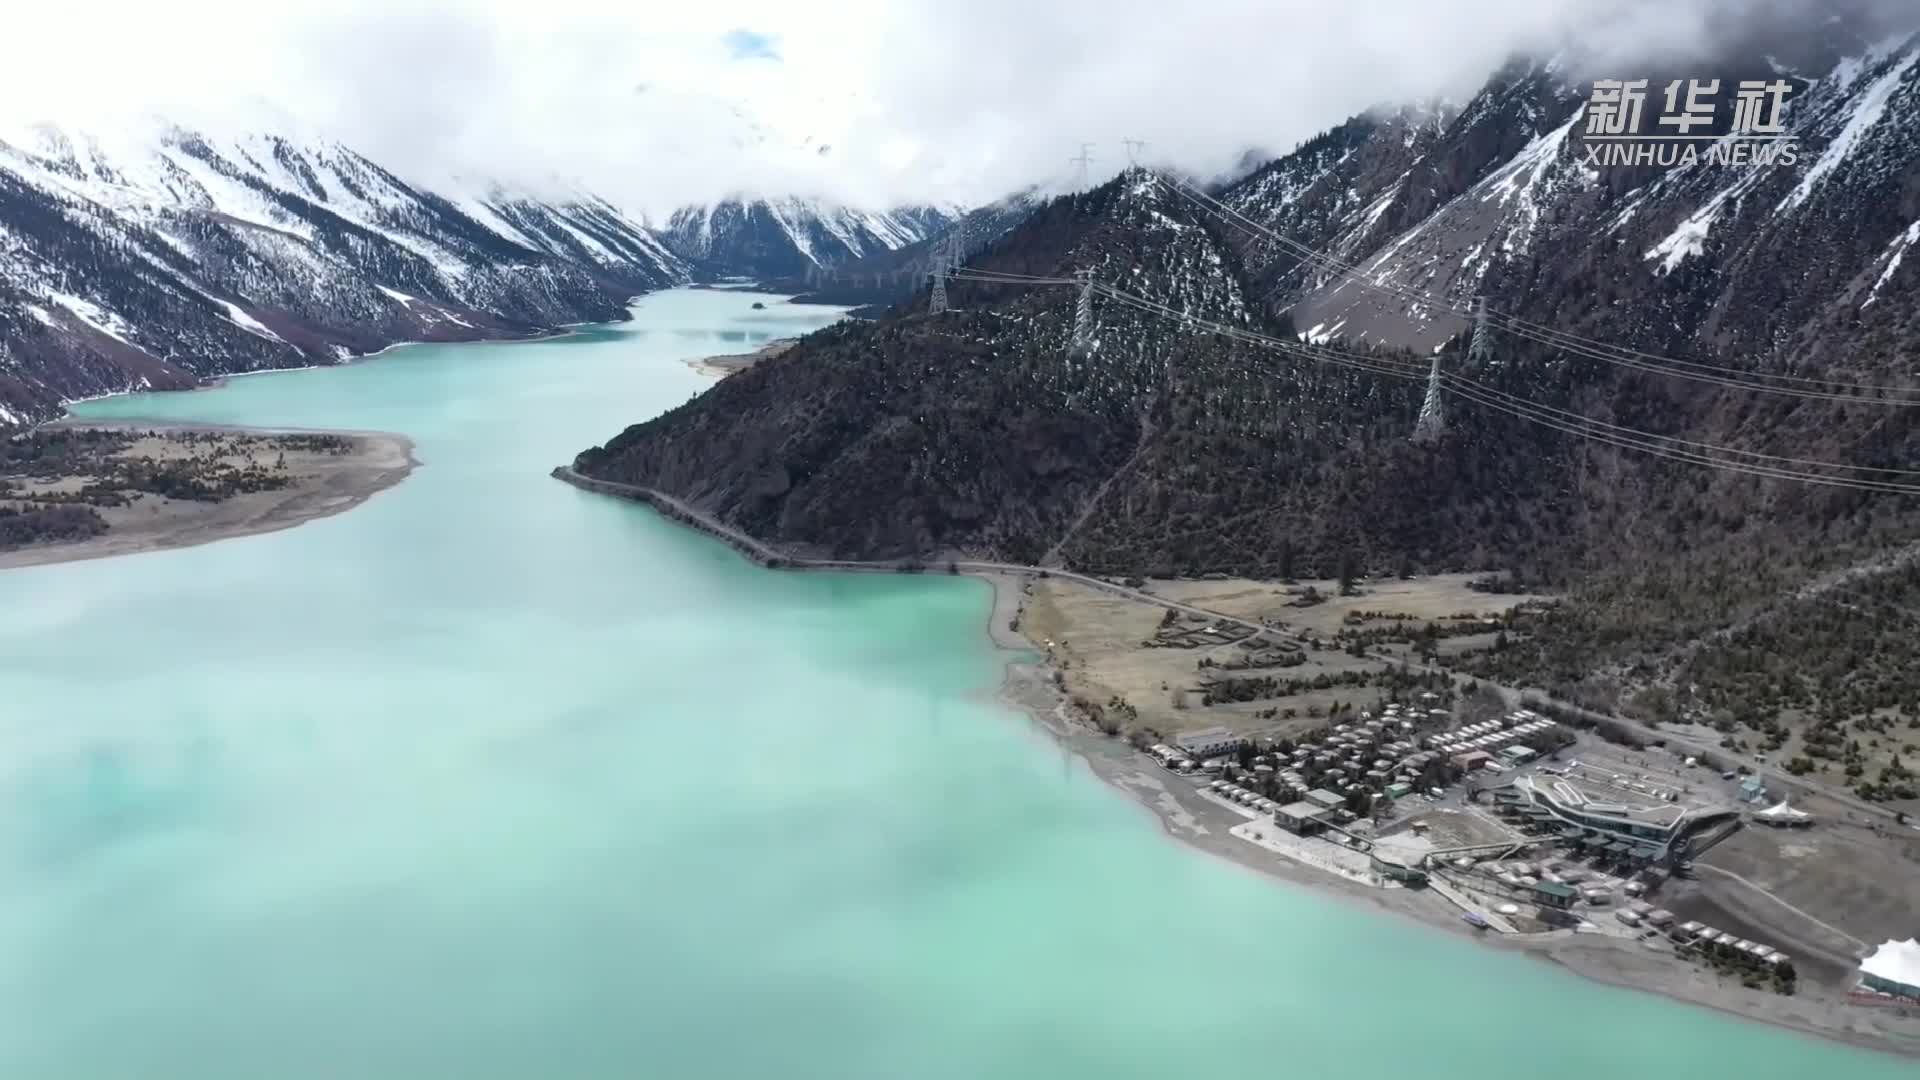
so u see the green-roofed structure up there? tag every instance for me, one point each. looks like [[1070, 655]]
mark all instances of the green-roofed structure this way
[[1553, 894]]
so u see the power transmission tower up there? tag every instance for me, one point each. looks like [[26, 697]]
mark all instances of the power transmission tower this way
[[1480, 349], [1134, 146], [1083, 316], [939, 302], [1433, 417], [1082, 159]]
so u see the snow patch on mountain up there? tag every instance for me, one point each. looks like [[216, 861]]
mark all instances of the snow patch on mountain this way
[[93, 315], [248, 323], [1867, 112], [1894, 256]]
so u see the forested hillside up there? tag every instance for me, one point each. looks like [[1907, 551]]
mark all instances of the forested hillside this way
[[1167, 447]]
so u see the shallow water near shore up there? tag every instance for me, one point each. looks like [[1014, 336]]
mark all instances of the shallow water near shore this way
[[492, 777]]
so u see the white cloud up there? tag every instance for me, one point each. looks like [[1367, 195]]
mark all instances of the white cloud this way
[[655, 104]]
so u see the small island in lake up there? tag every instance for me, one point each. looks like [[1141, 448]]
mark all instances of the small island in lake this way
[[74, 491]]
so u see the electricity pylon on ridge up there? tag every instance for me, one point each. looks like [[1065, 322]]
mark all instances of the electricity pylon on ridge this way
[[938, 303], [1480, 348], [1433, 415], [1083, 316], [1082, 159]]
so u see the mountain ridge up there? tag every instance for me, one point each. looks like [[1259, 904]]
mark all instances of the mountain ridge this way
[[1162, 449], [159, 259], [157, 256], [766, 238]]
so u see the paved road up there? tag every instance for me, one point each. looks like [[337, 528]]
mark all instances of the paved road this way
[[1513, 693]]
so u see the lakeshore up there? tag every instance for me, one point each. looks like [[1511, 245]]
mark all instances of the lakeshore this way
[[464, 786], [1031, 685], [719, 367], [309, 481]]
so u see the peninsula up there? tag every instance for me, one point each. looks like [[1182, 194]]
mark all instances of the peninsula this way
[[85, 490]]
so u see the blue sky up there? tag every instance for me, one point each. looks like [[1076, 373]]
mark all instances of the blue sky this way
[[752, 44]]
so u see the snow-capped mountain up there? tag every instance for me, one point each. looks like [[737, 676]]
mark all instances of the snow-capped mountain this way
[[1499, 198], [775, 238], [160, 257], [886, 276]]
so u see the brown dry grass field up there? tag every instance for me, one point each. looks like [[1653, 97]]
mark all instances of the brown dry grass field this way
[[1098, 640]]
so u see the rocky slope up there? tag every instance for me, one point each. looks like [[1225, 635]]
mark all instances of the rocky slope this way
[[163, 256]]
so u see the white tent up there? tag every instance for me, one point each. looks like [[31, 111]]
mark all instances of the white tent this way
[[1782, 814], [1894, 967]]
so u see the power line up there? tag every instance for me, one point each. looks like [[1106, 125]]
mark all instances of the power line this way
[[1464, 385], [1747, 462], [1721, 375]]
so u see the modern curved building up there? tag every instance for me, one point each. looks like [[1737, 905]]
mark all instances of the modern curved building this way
[[1647, 828]]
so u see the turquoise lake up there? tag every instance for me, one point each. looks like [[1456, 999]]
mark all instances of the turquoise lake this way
[[493, 778]]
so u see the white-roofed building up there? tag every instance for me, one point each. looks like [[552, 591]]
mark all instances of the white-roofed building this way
[[1208, 742]]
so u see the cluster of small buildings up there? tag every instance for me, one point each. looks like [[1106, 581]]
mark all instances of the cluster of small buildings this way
[[1378, 756], [1702, 936], [1318, 809], [1475, 746], [1235, 792], [1640, 913], [1549, 884]]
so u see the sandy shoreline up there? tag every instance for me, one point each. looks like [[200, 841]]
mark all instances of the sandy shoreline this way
[[719, 367], [381, 460], [1027, 685]]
